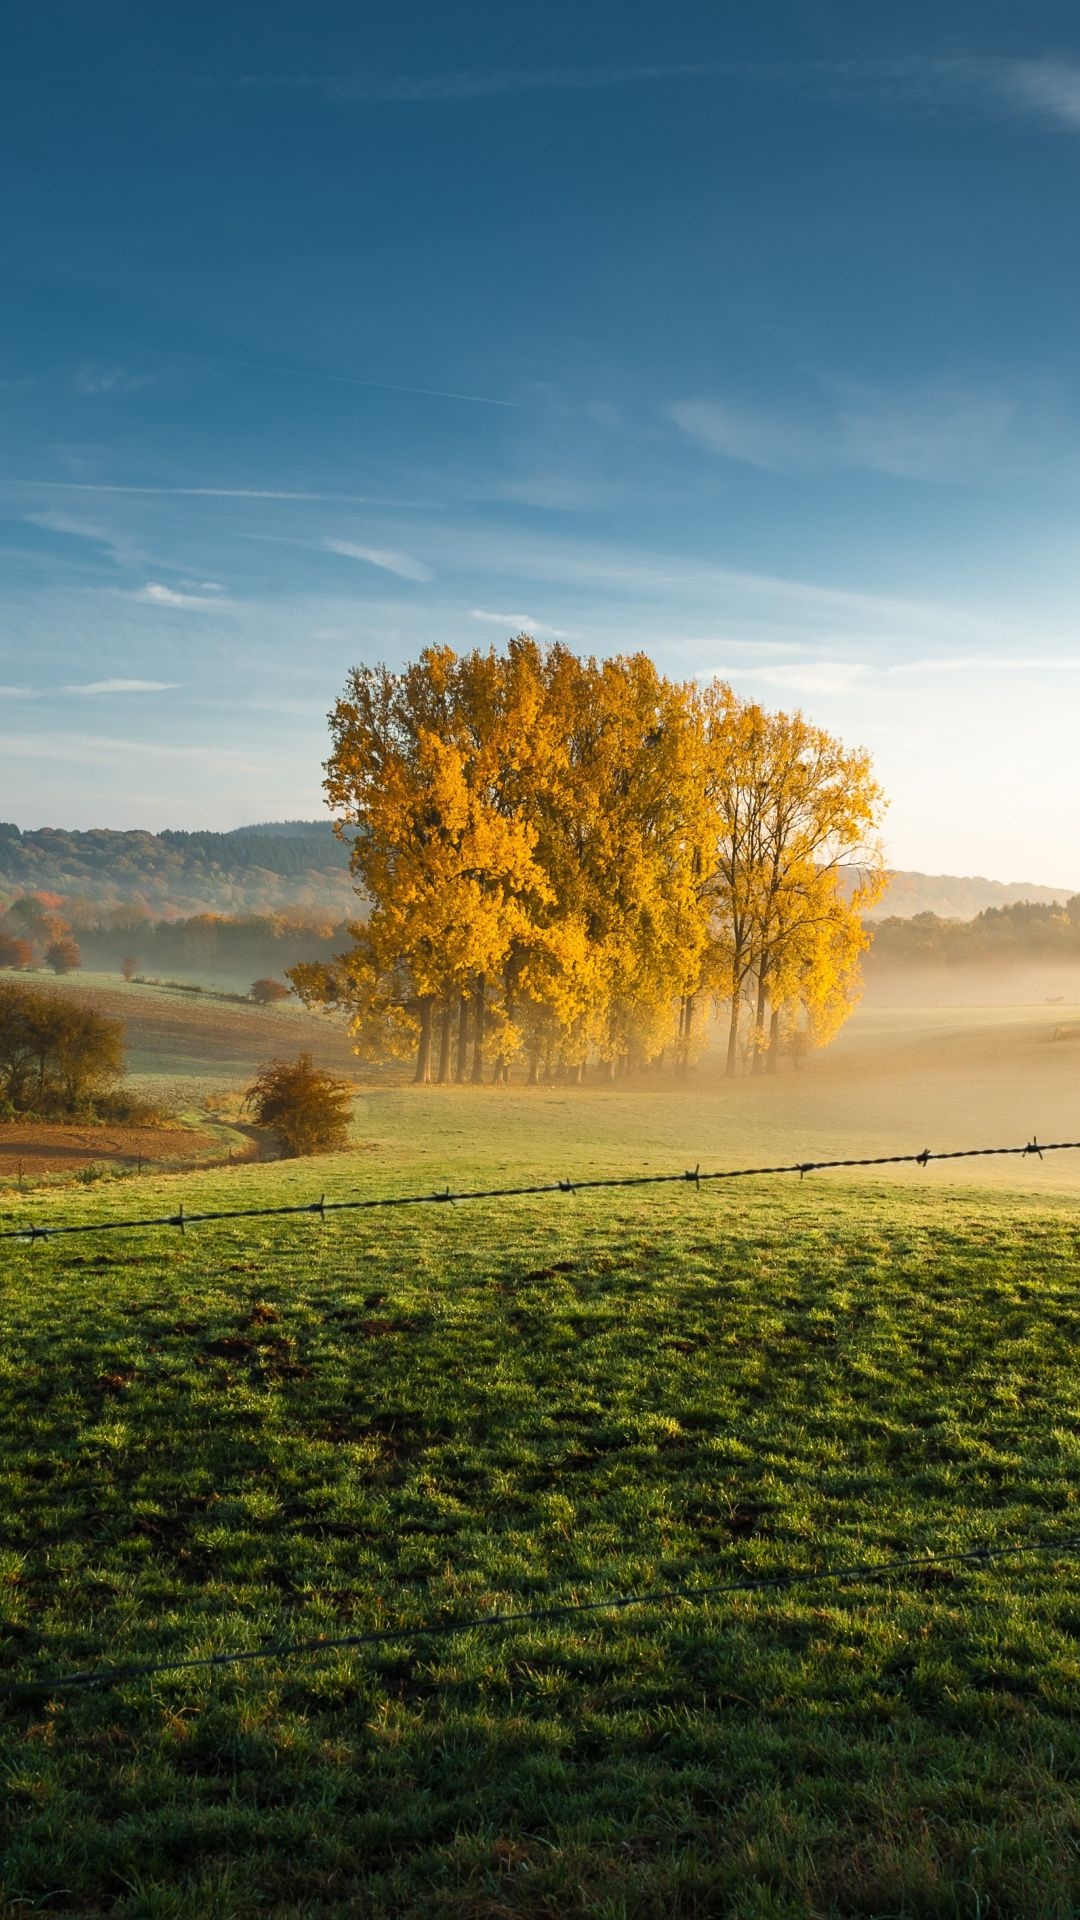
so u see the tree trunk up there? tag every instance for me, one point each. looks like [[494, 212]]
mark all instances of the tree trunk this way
[[574, 1074], [480, 1022], [534, 1070], [688, 1022], [501, 1075], [462, 1039], [445, 1024], [759, 1027], [733, 1035], [774, 1041], [423, 1051]]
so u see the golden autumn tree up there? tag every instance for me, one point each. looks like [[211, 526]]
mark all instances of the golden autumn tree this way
[[623, 830], [739, 785], [448, 871], [797, 865], [560, 856]]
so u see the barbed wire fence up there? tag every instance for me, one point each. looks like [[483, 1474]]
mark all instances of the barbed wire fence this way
[[983, 1555], [31, 1231]]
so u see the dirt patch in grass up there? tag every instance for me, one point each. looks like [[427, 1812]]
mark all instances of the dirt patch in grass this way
[[34, 1147]]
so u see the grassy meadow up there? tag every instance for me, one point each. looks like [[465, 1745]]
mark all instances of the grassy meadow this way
[[270, 1430]]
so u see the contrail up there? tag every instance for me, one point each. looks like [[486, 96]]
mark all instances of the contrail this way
[[346, 380], [214, 493]]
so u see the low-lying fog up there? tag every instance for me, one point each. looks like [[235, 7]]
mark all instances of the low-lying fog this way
[[940, 1058], [1027, 983]]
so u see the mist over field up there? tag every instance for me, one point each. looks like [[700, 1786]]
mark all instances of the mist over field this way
[[986, 983]]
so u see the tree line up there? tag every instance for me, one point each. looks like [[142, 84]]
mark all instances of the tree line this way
[[1025, 930], [567, 862], [109, 935]]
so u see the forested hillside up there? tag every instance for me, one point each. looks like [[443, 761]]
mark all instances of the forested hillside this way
[[282, 863], [252, 869], [956, 896], [1026, 930]]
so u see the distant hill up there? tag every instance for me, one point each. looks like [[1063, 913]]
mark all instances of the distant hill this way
[[249, 870], [283, 863], [953, 897]]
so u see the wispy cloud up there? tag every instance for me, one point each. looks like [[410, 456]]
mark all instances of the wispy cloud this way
[[124, 686], [933, 433], [1049, 90], [390, 559], [18, 693], [759, 438], [801, 676], [734, 595], [109, 381], [521, 623], [117, 546], [473, 83], [158, 595], [846, 676], [993, 663], [1046, 90], [97, 750], [207, 493]]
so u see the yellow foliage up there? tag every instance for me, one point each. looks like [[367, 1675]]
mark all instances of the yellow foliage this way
[[562, 856]]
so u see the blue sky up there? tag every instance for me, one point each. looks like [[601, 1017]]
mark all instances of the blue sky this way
[[744, 335]]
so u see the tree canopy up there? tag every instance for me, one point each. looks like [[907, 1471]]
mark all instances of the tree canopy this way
[[56, 1055], [565, 859]]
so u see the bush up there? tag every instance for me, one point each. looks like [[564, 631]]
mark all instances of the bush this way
[[63, 955], [267, 991], [128, 965], [56, 1056], [307, 1107]]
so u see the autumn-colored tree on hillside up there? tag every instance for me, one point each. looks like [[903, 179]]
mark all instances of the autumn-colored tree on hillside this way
[[15, 953], [267, 991], [56, 1056], [63, 955]]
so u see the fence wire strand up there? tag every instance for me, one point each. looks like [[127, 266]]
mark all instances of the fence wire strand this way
[[456, 1625], [181, 1220]]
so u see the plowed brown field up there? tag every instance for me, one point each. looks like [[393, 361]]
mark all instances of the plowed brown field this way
[[36, 1147]]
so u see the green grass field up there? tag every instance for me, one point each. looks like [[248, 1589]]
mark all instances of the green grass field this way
[[276, 1430]]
